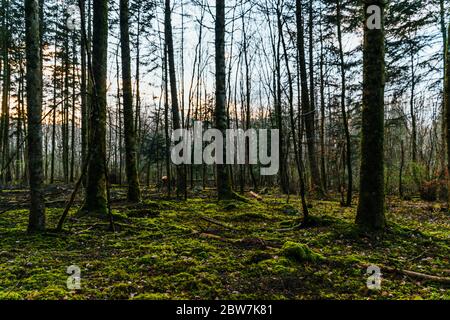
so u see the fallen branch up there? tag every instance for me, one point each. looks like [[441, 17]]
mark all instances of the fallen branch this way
[[88, 229], [418, 275], [213, 237], [214, 221], [412, 274]]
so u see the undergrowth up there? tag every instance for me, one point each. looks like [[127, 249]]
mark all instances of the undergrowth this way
[[243, 250]]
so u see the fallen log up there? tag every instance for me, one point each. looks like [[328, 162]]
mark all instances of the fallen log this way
[[256, 196]]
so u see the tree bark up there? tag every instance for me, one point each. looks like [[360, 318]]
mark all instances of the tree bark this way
[[176, 121], [52, 159], [83, 88], [224, 190], [65, 106], [96, 199], [447, 106], [298, 159], [323, 173], [348, 151], [413, 113], [34, 106], [74, 76], [308, 109], [134, 192], [279, 108], [371, 203], [248, 102], [4, 119], [402, 165], [137, 120], [166, 122]]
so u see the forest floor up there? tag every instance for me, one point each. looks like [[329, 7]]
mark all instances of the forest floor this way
[[204, 249]]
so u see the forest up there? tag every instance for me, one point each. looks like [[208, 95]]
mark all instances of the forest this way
[[225, 150]]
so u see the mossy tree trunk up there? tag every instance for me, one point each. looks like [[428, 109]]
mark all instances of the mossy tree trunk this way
[[34, 106], [96, 200], [134, 192], [176, 122], [371, 203], [224, 190]]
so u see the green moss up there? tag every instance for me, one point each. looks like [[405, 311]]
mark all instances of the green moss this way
[[148, 259], [10, 296], [152, 296], [278, 266], [163, 256], [300, 252], [289, 210], [48, 293], [250, 216], [118, 215]]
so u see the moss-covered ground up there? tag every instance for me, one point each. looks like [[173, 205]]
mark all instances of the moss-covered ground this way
[[203, 249]]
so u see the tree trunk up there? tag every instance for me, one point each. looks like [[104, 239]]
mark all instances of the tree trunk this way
[[134, 192], [176, 121], [74, 76], [298, 159], [83, 89], [402, 165], [34, 107], [96, 199], [4, 127], [447, 106], [224, 190], [348, 151], [137, 120], [52, 159], [371, 203], [413, 113], [279, 109], [19, 134], [248, 103], [323, 173], [443, 125], [308, 109], [65, 116], [166, 121]]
